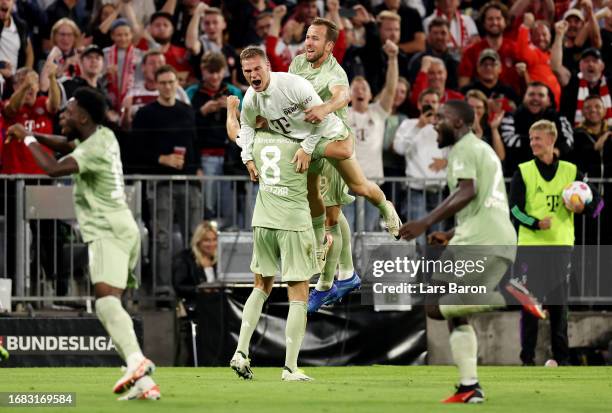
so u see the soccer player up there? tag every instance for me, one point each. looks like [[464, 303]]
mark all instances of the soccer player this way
[[92, 157], [4, 354], [283, 99], [282, 230], [319, 67], [478, 200]]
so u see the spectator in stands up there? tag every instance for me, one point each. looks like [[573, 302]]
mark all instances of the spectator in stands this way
[[164, 132], [242, 24], [195, 265], [593, 155], [486, 125], [304, 13], [191, 268], [537, 105], [65, 39], [161, 30], [182, 11], [493, 18], [212, 40], [542, 57], [433, 75], [438, 36], [463, 30], [34, 112], [582, 33], [209, 101], [122, 62], [542, 10], [97, 33], [145, 92], [387, 26], [367, 121], [393, 164], [283, 42], [417, 140], [592, 144], [74, 10], [487, 80], [15, 46], [590, 80], [412, 38], [606, 36], [91, 61], [263, 24]]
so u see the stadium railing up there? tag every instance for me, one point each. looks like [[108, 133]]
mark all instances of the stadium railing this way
[[42, 251]]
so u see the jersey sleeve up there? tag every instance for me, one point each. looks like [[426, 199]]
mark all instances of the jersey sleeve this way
[[247, 129], [86, 156], [463, 165], [338, 78]]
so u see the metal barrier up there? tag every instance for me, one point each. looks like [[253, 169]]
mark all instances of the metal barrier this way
[[42, 252]]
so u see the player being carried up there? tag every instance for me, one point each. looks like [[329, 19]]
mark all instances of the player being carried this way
[[284, 100], [282, 231], [319, 67], [479, 203], [92, 157]]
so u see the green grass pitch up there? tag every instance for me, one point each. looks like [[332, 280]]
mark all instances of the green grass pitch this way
[[405, 389]]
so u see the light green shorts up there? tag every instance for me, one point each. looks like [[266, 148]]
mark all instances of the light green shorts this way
[[488, 270], [112, 261], [319, 150], [332, 187], [295, 249]]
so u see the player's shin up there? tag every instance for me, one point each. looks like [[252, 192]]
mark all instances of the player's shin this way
[[345, 261], [294, 332], [119, 326], [250, 318], [464, 348], [326, 280]]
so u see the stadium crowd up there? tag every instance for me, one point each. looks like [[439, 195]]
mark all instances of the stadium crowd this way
[[515, 62]]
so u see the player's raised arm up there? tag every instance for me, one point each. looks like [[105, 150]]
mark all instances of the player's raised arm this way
[[53, 167], [232, 125], [387, 95], [57, 143]]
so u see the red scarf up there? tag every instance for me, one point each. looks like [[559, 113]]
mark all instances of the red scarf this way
[[117, 92], [583, 93], [462, 29]]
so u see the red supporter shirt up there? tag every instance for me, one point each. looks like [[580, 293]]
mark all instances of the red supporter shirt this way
[[176, 56], [507, 54], [538, 63], [420, 84], [16, 157]]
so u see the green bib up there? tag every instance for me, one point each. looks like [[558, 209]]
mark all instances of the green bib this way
[[544, 199]]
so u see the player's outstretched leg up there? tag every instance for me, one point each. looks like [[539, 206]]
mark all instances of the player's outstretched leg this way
[[527, 300], [353, 176], [119, 326], [294, 332], [317, 213], [240, 362], [348, 280]]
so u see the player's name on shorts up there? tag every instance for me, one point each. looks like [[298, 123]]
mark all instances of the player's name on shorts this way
[[274, 190], [424, 288]]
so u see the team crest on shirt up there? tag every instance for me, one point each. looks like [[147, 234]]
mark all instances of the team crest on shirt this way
[[39, 111]]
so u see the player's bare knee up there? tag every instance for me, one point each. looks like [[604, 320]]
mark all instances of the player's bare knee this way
[[265, 284], [104, 290], [297, 290]]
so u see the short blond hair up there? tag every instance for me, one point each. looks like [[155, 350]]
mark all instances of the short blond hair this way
[[388, 15], [546, 126]]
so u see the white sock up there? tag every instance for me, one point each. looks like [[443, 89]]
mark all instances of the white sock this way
[[134, 359], [344, 275], [464, 348], [145, 382]]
